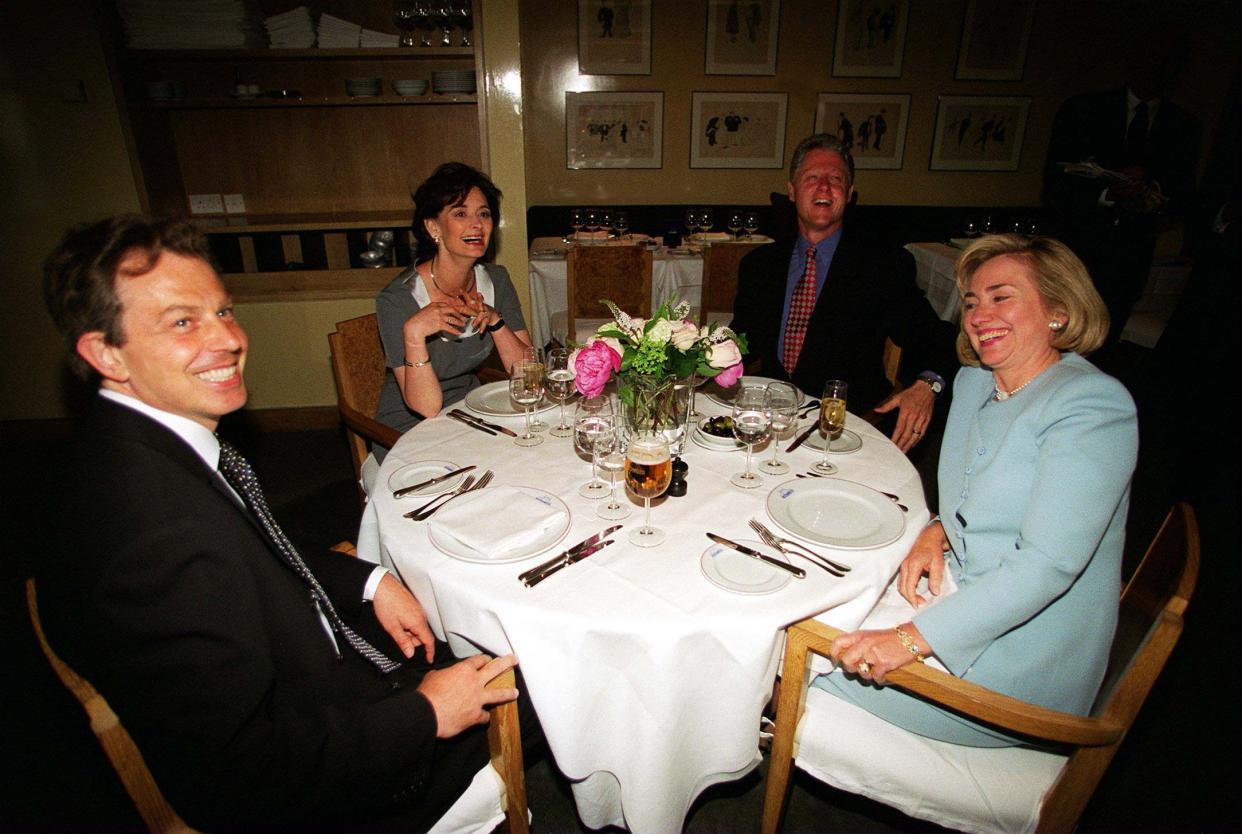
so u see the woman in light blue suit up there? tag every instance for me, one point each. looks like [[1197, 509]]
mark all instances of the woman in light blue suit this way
[[1034, 487]]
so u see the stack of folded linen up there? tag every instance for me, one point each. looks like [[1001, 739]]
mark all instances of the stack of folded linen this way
[[190, 24], [293, 29], [371, 38], [335, 33]]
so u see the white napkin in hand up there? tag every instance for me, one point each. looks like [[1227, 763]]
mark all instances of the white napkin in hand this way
[[496, 522]]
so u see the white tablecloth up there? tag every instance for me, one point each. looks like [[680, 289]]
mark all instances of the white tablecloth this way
[[648, 679], [934, 263]]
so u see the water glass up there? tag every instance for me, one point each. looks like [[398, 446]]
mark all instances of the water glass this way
[[610, 450], [784, 410], [752, 422], [559, 383], [593, 416]]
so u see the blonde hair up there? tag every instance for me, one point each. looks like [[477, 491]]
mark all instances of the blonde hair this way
[[1062, 281]]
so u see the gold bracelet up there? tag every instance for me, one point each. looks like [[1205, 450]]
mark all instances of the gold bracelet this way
[[410, 364], [908, 642]]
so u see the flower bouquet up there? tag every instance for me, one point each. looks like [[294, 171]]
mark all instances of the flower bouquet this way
[[654, 360]]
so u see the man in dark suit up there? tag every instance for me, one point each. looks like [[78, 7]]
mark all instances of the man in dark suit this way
[[255, 688], [1111, 223], [820, 305]]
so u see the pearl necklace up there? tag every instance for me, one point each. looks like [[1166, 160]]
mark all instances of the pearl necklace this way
[[1000, 396]]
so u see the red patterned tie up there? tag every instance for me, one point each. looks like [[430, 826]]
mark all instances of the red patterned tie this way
[[800, 309]]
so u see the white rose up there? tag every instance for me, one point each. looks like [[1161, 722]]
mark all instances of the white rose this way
[[723, 354], [685, 334], [660, 332]]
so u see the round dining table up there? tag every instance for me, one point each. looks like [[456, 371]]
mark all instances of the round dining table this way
[[649, 677]]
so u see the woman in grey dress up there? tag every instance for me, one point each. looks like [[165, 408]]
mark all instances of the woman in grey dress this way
[[441, 318]]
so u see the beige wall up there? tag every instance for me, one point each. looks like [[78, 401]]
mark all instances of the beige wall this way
[[1075, 46]]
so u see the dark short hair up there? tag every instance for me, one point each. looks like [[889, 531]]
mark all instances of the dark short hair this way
[[448, 186], [820, 142], [79, 277]]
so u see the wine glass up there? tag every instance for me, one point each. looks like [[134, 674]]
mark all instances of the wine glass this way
[[403, 17], [751, 223], [526, 389], [692, 222], [593, 416], [785, 402], [442, 16], [559, 382], [622, 219], [577, 219], [605, 222], [705, 221], [592, 222], [735, 223], [422, 20], [610, 449], [532, 355], [831, 420], [464, 19], [696, 382], [648, 469], [752, 422]]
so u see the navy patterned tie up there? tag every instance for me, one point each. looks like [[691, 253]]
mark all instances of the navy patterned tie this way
[[237, 472]]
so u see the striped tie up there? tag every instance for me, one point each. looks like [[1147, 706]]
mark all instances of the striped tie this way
[[800, 309], [237, 472]]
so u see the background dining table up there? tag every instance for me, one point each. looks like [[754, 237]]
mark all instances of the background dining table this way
[[649, 679]]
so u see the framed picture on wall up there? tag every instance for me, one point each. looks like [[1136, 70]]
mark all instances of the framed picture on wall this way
[[737, 130], [741, 37], [979, 133], [995, 34], [614, 130], [871, 38], [614, 37], [872, 125]]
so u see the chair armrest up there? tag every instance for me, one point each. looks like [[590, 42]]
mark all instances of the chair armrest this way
[[978, 702], [368, 427], [504, 743]]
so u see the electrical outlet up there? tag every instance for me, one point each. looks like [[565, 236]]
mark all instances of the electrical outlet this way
[[234, 204], [206, 204]]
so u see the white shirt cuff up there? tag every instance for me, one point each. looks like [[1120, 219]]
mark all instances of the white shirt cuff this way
[[373, 581]]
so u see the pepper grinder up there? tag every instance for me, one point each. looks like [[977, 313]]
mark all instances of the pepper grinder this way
[[677, 483]]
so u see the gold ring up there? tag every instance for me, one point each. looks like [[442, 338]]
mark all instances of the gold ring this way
[[864, 668]]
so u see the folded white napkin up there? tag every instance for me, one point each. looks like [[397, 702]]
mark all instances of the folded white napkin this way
[[496, 522]]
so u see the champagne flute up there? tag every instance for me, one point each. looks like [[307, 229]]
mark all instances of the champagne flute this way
[[610, 447], [831, 420], [648, 469], [531, 355], [623, 223], [735, 223], [785, 402], [526, 389], [752, 422], [559, 382], [751, 223], [593, 416]]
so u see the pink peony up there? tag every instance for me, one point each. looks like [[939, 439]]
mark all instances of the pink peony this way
[[723, 354], [729, 375], [593, 366]]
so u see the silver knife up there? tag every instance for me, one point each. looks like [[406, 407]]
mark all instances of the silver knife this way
[[755, 554], [577, 557], [430, 482], [461, 419], [481, 422], [802, 438], [565, 554]]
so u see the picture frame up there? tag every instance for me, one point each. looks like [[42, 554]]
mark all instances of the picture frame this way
[[742, 37], [995, 34], [737, 130], [871, 38], [979, 133], [614, 37], [872, 126], [614, 130]]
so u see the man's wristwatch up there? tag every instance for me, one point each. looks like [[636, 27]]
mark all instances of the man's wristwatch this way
[[933, 380]]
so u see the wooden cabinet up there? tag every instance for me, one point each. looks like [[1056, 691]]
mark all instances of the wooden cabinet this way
[[308, 159]]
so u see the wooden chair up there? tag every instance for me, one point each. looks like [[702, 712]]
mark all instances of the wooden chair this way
[[621, 274], [720, 263], [504, 739], [117, 745], [360, 371], [1057, 784]]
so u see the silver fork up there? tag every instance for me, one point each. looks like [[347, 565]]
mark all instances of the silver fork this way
[[462, 487], [784, 546], [482, 482]]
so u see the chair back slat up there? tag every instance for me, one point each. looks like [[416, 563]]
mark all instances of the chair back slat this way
[[621, 274], [720, 263]]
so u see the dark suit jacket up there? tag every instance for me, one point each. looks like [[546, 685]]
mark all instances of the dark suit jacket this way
[[163, 592], [870, 293]]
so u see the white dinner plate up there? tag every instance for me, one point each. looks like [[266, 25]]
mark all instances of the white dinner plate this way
[[549, 538], [725, 568], [836, 513], [724, 396], [848, 442], [493, 400], [423, 470]]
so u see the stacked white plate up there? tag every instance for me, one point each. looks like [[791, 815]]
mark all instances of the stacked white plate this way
[[410, 87], [364, 86], [453, 81]]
